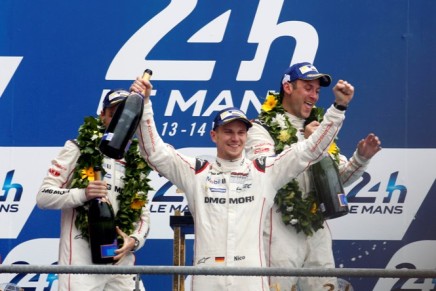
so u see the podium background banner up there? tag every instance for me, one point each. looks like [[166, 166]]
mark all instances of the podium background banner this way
[[57, 60]]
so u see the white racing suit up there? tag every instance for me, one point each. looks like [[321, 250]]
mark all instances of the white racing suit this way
[[54, 193], [284, 247], [229, 200]]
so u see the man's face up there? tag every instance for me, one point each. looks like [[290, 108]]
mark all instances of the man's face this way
[[300, 97], [107, 114], [230, 139]]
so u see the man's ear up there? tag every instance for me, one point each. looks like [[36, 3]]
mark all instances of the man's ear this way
[[213, 135], [287, 87], [102, 115]]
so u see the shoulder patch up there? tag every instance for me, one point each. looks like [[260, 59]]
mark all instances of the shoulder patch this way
[[260, 164], [200, 165], [261, 123]]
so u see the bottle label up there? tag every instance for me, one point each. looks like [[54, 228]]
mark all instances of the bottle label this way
[[342, 200], [108, 251], [108, 136]]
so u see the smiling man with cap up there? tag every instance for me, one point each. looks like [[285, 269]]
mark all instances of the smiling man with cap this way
[[230, 133], [229, 197], [285, 244], [300, 87]]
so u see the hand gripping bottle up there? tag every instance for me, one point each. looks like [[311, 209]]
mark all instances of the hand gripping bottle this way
[[102, 231], [116, 139]]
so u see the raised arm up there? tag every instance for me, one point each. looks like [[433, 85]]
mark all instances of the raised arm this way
[[162, 157]]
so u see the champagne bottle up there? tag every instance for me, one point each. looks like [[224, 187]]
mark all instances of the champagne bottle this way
[[102, 231], [116, 140], [329, 190]]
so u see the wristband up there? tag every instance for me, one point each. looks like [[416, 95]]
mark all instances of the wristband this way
[[340, 107], [135, 247]]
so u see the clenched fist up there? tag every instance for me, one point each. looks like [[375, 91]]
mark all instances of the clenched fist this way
[[344, 92]]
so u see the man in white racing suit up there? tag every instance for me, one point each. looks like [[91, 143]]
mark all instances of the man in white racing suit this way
[[284, 245], [56, 193], [230, 197]]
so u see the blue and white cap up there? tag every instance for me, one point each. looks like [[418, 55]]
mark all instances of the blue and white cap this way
[[114, 97], [305, 71], [228, 115]]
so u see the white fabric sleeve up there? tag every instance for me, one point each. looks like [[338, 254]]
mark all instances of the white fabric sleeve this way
[[299, 156], [259, 143], [54, 192], [350, 171], [142, 227], [162, 157]]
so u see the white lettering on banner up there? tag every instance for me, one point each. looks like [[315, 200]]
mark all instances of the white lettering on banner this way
[[8, 67], [418, 255], [21, 173], [250, 97], [389, 195], [176, 98], [43, 251], [226, 97], [167, 208], [266, 29], [223, 100], [132, 57]]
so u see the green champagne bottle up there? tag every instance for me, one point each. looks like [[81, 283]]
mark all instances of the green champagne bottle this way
[[102, 231], [328, 187]]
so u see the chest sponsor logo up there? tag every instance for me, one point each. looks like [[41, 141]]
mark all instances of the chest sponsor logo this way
[[233, 200], [217, 190]]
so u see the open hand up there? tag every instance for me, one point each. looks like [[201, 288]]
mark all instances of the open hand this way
[[369, 146], [128, 245]]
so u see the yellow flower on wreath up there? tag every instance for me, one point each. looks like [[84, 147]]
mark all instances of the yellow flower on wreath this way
[[139, 201], [333, 149], [284, 136], [88, 174], [270, 103], [314, 208]]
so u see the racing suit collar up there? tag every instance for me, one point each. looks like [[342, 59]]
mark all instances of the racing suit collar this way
[[227, 165]]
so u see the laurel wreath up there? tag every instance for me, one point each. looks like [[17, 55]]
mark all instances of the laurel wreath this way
[[136, 184], [301, 213]]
